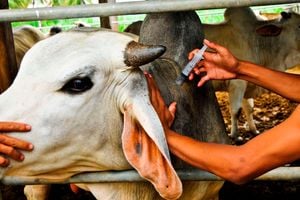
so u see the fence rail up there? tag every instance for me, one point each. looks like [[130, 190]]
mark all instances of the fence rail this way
[[113, 9], [281, 173]]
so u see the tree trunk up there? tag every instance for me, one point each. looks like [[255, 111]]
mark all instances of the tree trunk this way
[[104, 21], [8, 65]]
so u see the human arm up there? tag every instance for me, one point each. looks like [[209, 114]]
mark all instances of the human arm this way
[[221, 65], [10, 146], [238, 164]]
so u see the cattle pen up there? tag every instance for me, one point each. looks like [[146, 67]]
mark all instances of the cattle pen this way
[[113, 9]]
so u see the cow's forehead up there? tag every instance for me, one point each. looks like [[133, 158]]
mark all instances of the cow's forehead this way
[[77, 49], [100, 41]]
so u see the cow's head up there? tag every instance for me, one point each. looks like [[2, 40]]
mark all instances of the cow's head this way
[[80, 91], [285, 33]]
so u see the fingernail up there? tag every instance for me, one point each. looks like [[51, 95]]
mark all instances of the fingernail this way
[[21, 157], [28, 127], [145, 72], [150, 75], [5, 163], [30, 146]]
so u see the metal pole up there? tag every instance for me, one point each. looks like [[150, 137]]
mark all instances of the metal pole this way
[[281, 173], [142, 7]]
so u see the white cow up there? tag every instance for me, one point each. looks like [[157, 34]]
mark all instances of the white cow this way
[[274, 44], [79, 102]]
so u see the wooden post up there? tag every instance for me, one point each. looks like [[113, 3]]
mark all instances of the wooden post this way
[[104, 20], [8, 65]]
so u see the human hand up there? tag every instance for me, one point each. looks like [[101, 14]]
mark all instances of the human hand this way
[[10, 146], [166, 114], [218, 65]]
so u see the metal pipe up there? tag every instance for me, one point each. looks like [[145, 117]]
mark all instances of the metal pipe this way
[[140, 7], [281, 173]]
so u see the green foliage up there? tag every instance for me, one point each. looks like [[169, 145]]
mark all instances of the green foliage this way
[[25, 3], [32, 23], [125, 20], [66, 2], [19, 3]]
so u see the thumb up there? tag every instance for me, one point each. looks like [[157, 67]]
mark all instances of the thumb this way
[[74, 188], [192, 54], [172, 108]]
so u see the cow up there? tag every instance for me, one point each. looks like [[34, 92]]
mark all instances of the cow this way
[[134, 27], [274, 44], [81, 105], [268, 16], [54, 30]]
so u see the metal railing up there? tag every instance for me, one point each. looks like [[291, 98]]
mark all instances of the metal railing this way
[[281, 173], [113, 9]]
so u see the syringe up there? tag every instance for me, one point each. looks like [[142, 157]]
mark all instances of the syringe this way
[[189, 67]]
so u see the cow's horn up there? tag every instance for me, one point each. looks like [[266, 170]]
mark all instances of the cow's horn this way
[[137, 54]]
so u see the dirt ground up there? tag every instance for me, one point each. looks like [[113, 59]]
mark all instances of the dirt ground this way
[[270, 109]]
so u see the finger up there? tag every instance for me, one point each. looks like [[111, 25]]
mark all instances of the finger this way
[[210, 44], [11, 152], [192, 53], [209, 56], [4, 162], [199, 65], [155, 96], [14, 126], [17, 143], [191, 76], [151, 86], [199, 70], [171, 113], [202, 81], [74, 188], [152, 91], [214, 46], [172, 108]]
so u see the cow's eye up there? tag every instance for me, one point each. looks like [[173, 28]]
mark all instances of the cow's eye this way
[[78, 85]]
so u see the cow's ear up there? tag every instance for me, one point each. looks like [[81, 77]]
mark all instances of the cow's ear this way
[[269, 30], [137, 54], [141, 142], [286, 15]]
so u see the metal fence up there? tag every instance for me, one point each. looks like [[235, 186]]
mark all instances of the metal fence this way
[[281, 173], [140, 7]]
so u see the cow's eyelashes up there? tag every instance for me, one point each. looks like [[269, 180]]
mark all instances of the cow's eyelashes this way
[[78, 85]]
